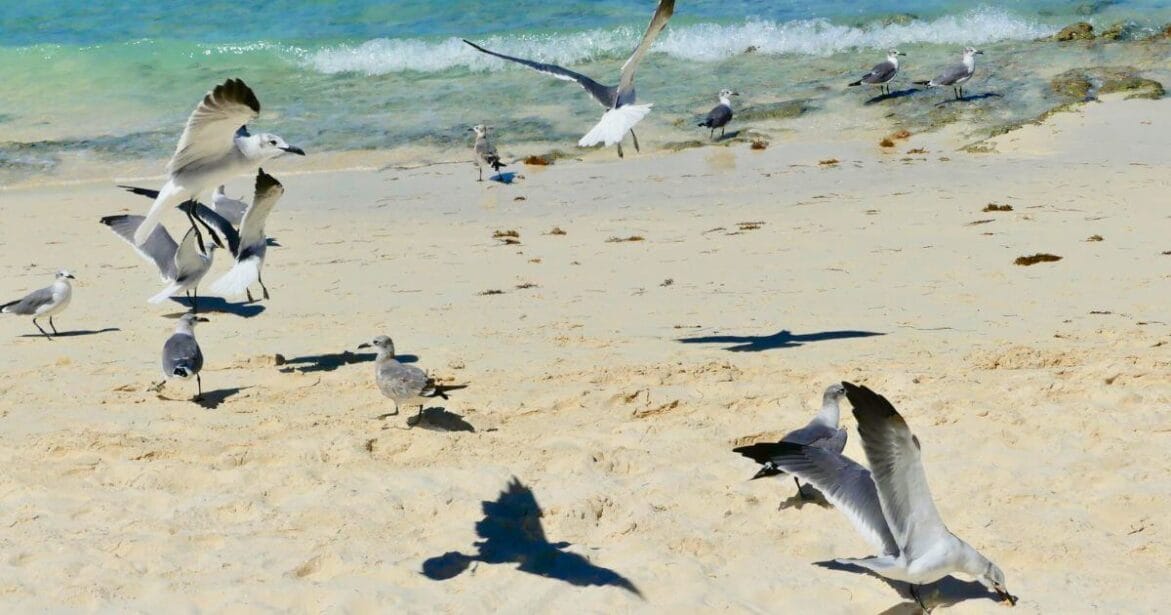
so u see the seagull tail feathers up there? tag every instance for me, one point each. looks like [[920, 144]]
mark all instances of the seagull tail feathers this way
[[236, 281], [858, 82], [166, 293], [614, 125], [921, 82]]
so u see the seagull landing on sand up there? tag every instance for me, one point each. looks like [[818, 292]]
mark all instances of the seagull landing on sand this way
[[215, 146], [882, 73], [485, 152], [890, 505], [822, 432], [621, 112], [720, 115], [44, 302], [956, 76], [181, 266]]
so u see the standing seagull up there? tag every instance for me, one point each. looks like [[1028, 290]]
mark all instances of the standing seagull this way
[[46, 301], [892, 508], [882, 73], [403, 384], [720, 115], [821, 432], [214, 147], [956, 76], [485, 152], [621, 112], [181, 266], [182, 357]]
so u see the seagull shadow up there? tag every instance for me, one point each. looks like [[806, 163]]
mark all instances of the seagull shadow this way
[[945, 592], [797, 501], [212, 399], [972, 98], [329, 362], [438, 419], [891, 96], [781, 339], [78, 333], [728, 136], [218, 305], [512, 533]]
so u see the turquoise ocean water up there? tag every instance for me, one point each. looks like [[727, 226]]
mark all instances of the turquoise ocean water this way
[[109, 80]]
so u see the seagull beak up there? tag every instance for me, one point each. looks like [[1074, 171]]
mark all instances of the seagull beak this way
[[902, 53], [735, 93], [294, 150], [364, 345], [1006, 597], [979, 52]]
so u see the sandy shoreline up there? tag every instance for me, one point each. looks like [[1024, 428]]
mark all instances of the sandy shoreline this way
[[1040, 393]]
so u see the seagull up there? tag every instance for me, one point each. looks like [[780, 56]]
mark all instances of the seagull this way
[[46, 301], [181, 266], [890, 505], [485, 152], [821, 432], [215, 145], [182, 357], [403, 384], [621, 113], [721, 114], [882, 73], [251, 245], [956, 76]]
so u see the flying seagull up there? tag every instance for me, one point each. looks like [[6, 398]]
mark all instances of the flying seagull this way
[[621, 113], [215, 146], [46, 301], [957, 75], [181, 266], [182, 357], [403, 384], [890, 505], [882, 73], [821, 432], [720, 115], [484, 150]]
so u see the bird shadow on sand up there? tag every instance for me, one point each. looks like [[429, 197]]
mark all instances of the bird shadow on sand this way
[[971, 98], [211, 400], [511, 532], [331, 361], [439, 419], [891, 96], [78, 333], [945, 592], [218, 305], [781, 339]]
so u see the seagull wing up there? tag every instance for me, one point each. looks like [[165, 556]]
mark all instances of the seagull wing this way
[[893, 453], [881, 73], [219, 224], [845, 484], [30, 303], [951, 75], [231, 209], [268, 192], [604, 94], [188, 258], [211, 129], [159, 248], [662, 14]]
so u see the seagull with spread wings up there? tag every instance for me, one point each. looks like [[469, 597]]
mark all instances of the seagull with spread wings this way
[[621, 113]]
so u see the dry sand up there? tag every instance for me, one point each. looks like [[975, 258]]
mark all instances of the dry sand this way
[[1041, 394]]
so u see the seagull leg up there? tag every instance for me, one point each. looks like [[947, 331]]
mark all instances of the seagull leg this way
[[712, 133], [249, 291], [915, 594], [41, 330], [195, 300], [52, 326], [635, 137], [198, 388], [722, 129], [800, 491], [262, 286], [620, 151], [481, 169]]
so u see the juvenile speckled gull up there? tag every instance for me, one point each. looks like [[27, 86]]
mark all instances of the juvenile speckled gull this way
[[182, 357], [47, 301], [822, 431], [215, 146], [403, 384], [890, 505], [485, 152], [882, 73], [181, 266], [720, 115], [957, 75], [621, 113]]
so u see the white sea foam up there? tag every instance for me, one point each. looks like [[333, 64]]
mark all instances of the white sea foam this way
[[697, 42]]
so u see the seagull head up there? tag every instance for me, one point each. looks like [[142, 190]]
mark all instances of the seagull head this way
[[993, 579], [265, 146], [190, 318], [972, 51], [834, 392], [726, 93], [894, 53], [480, 129], [383, 343], [65, 275]]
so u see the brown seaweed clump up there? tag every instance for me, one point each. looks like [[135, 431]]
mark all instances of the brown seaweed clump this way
[[995, 207], [759, 144], [1040, 257], [886, 142], [625, 239], [538, 161]]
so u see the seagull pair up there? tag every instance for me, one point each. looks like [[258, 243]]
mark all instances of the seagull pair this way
[[955, 76], [48, 301], [890, 504], [621, 113], [185, 265]]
